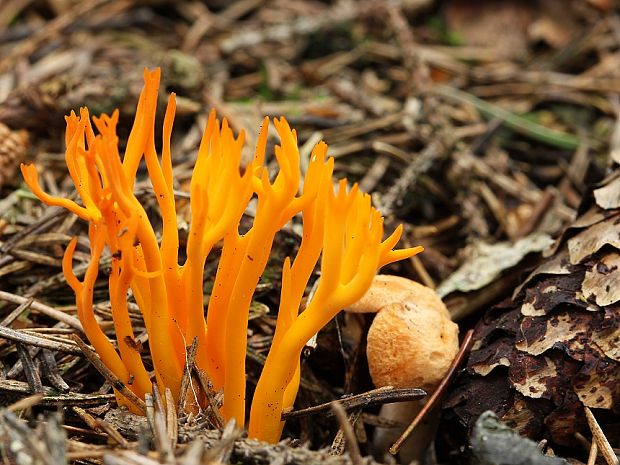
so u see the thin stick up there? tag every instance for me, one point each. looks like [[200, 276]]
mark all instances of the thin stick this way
[[80, 455], [11, 317], [87, 418], [349, 436], [601, 440], [30, 370], [206, 385], [50, 369], [383, 395], [112, 433], [27, 402], [150, 416], [593, 453], [434, 399], [44, 309], [37, 341], [163, 446], [93, 358], [172, 420], [157, 400], [339, 443], [187, 374]]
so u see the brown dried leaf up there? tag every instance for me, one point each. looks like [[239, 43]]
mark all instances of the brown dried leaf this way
[[597, 384], [563, 422], [552, 292], [506, 322], [590, 217], [525, 416], [607, 335], [592, 239], [483, 361], [601, 280], [608, 196], [487, 261], [607, 341], [530, 376], [554, 266], [566, 330]]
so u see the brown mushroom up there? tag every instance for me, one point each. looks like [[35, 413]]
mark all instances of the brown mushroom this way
[[411, 343]]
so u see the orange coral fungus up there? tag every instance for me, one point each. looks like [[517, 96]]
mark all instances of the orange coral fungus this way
[[340, 227]]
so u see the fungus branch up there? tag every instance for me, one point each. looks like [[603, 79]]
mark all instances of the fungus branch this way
[[339, 226]]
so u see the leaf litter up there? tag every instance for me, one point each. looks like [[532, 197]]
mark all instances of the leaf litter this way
[[473, 145]]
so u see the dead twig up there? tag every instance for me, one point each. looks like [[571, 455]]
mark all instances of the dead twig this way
[[436, 396], [30, 369], [93, 358], [50, 368], [601, 440], [379, 396], [15, 314], [187, 373], [36, 341], [43, 309], [419, 165], [349, 435], [207, 388]]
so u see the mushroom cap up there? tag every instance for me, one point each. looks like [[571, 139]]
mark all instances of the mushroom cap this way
[[411, 344], [388, 289]]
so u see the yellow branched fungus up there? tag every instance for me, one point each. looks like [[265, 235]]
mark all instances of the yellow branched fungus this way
[[340, 227]]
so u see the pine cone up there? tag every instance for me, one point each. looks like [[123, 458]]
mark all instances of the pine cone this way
[[539, 357], [13, 146]]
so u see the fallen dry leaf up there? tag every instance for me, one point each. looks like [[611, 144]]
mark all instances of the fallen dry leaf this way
[[486, 262], [608, 196], [566, 330], [593, 238], [601, 280]]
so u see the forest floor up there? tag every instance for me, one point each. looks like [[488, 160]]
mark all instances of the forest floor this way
[[480, 126]]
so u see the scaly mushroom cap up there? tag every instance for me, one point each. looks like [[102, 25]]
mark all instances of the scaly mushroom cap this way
[[412, 341], [388, 289], [411, 345]]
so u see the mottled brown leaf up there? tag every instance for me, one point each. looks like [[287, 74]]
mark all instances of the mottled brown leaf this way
[[498, 354], [597, 383], [506, 322], [608, 196], [607, 338], [591, 240], [602, 279], [566, 420], [545, 377], [477, 394], [559, 264], [552, 292], [529, 376], [566, 350], [567, 331], [526, 415]]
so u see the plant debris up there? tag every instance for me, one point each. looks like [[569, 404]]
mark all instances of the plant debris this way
[[495, 443], [470, 137]]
